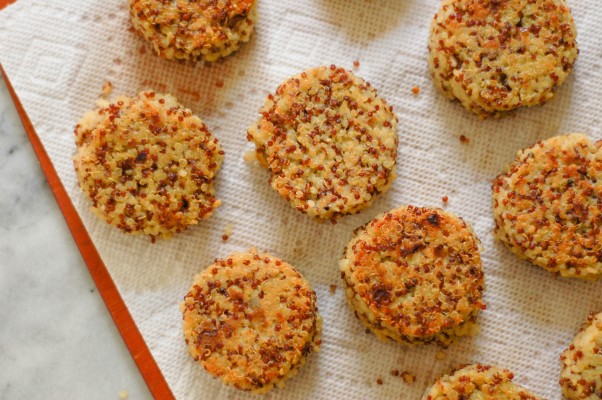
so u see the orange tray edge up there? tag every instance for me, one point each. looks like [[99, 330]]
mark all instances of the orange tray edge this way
[[106, 287]]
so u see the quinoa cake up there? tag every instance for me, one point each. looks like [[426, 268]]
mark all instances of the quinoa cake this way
[[414, 275], [581, 372], [546, 206], [498, 55], [478, 382], [147, 163], [251, 319], [194, 30], [329, 141]]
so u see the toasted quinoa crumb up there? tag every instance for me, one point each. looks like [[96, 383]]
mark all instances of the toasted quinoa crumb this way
[[228, 230], [356, 64], [395, 372], [546, 206], [416, 90], [379, 381], [581, 369], [478, 381], [333, 288], [250, 156], [408, 377], [189, 30], [414, 275], [445, 199], [107, 88], [329, 141], [148, 164], [251, 319], [464, 139], [496, 56]]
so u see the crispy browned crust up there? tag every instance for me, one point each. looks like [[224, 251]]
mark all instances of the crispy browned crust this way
[[251, 319], [478, 382], [329, 141], [547, 206], [414, 275], [194, 30], [147, 164], [581, 371], [498, 55]]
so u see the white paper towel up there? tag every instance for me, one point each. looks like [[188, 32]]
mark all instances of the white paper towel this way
[[58, 54]]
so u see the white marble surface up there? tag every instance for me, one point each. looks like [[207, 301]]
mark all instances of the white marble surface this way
[[57, 339]]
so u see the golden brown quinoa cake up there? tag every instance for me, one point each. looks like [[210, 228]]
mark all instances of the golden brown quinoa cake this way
[[147, 164], [581, 373], [414, 275], [499, 55], [478, 382], [251, 319], [546, 206], [194, 30], [329, 141]]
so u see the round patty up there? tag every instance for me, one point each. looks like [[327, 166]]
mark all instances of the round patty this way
[[581, 372], [329, 141], [478, 382], [251, 319], [414, 275], [147, 164], [546, 205], [194, 30], [498, 55]]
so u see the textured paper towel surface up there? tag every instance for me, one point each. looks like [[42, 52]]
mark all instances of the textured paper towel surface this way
[[58, 54]]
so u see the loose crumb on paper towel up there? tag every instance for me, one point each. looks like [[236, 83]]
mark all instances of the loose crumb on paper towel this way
[[227, 232], [250, 156], [107, 88], [416, 90], [123, 394], [408, 377], [464, 139], [405, 375]]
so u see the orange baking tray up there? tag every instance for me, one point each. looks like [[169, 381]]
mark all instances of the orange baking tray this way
[[106, 287]]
